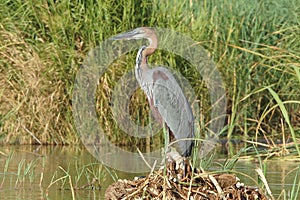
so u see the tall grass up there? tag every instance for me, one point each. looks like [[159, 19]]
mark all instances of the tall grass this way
[[42, 44]]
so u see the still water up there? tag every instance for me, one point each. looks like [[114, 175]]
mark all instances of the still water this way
[[47, 172]]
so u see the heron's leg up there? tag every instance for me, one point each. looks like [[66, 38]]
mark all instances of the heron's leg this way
[[165, 149], [166, 132], [175, 159], [171, 154]]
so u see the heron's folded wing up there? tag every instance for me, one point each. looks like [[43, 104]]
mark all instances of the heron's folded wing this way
[[174, 109]]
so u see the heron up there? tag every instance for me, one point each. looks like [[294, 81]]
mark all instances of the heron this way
[[168, 104]]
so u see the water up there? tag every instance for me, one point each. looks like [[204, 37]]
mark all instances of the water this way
[[41, 172]]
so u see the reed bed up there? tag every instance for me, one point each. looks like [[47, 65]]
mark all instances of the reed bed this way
[[43, 43]]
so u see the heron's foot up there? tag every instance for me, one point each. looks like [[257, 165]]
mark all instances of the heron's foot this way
[[176, 166], [172, 156]]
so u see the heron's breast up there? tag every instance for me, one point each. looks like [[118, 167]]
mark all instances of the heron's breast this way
[[155, 112]]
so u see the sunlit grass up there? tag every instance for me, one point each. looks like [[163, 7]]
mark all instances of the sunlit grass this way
[[5, 168], [25, 173], [90, 176], [296, 186]]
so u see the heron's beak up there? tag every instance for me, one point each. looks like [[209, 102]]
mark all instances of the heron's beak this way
[[127, 36]]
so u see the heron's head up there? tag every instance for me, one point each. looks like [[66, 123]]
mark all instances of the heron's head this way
[[138, 33]]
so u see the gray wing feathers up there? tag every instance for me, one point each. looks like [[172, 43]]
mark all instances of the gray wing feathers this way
[[174, 109]]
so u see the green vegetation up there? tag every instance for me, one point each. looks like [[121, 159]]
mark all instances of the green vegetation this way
[[92, 174], [255, 45], [37, 172], [25, 172]]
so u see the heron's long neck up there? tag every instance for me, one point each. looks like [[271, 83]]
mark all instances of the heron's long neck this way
[[152, 46], [141, 60]]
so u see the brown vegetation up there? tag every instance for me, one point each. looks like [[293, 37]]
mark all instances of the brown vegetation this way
[[32, 98], [183, 184]]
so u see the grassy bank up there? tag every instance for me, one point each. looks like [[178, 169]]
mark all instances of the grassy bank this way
[[42, 44]]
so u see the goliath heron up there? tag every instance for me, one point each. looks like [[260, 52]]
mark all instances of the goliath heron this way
[[167, 102]]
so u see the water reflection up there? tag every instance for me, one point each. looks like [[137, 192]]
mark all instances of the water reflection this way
[[32, 168]]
